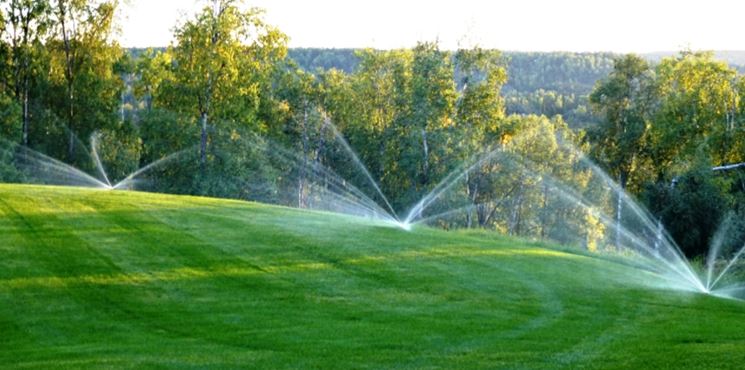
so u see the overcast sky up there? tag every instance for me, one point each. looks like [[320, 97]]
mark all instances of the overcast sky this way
[[539, 25]]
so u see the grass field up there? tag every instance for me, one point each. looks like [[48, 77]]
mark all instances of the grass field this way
[[133, 280]]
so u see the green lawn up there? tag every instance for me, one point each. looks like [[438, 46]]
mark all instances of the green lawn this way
[[131, 280]]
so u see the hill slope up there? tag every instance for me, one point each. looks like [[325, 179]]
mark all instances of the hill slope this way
[[100, 279]]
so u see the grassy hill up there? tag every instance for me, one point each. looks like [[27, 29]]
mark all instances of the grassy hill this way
[[131, 280]]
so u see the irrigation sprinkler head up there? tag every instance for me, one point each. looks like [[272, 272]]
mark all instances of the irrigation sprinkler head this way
[[122, 185]]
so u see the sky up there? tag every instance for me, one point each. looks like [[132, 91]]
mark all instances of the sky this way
[[517, 25]]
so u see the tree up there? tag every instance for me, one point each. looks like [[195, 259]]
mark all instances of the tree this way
[[8, 107], [480, 112], [304, 122], [698, 107], [371, 108], [27, 24], [220, 60], [432, 111], [625, 100], [83, 63], [693, 207], [152, 68]]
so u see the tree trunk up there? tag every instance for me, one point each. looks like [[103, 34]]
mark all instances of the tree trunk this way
[[320, 148], [71, 145], [25, 114], [514, 228], [21, 17], [622, 178], [121, 105], [658, 237], [469, 215], [489, 215], [71, 123], [544, 211], [148, 100], [69, 77], [203, 144], [483, 215], [205, 101], [25, 88], [425, 166], [301, 199]]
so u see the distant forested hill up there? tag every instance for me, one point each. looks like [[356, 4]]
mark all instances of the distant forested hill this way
[[528, 71], [538, 83], [563, 72], [556, 83], [548, 83], [312, 59]]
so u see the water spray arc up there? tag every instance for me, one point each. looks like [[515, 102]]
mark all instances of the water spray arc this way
[[39, 168], [577, 205], [639, 235]]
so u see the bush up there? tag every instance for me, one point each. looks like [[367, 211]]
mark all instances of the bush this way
[[691, 207]]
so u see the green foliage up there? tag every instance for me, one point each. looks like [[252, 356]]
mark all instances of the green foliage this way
[[480, 107], [9, 173], [242, 167], [164, 133], [677, 121], [152, 68], [698, 98], [625, 101], [691, 206], [540, 83], [83, 85], [431, 108], [222, 60], [120, 150], [10, 115]]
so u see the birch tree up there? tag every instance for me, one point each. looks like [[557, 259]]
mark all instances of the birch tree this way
[[221, 58]]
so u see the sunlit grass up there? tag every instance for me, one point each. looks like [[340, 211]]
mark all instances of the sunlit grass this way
[[237, 271], [92, 279]]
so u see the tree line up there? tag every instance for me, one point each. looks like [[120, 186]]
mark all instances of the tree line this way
[[413, 115]]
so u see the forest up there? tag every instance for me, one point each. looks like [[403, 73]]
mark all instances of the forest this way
[[670, 131]]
